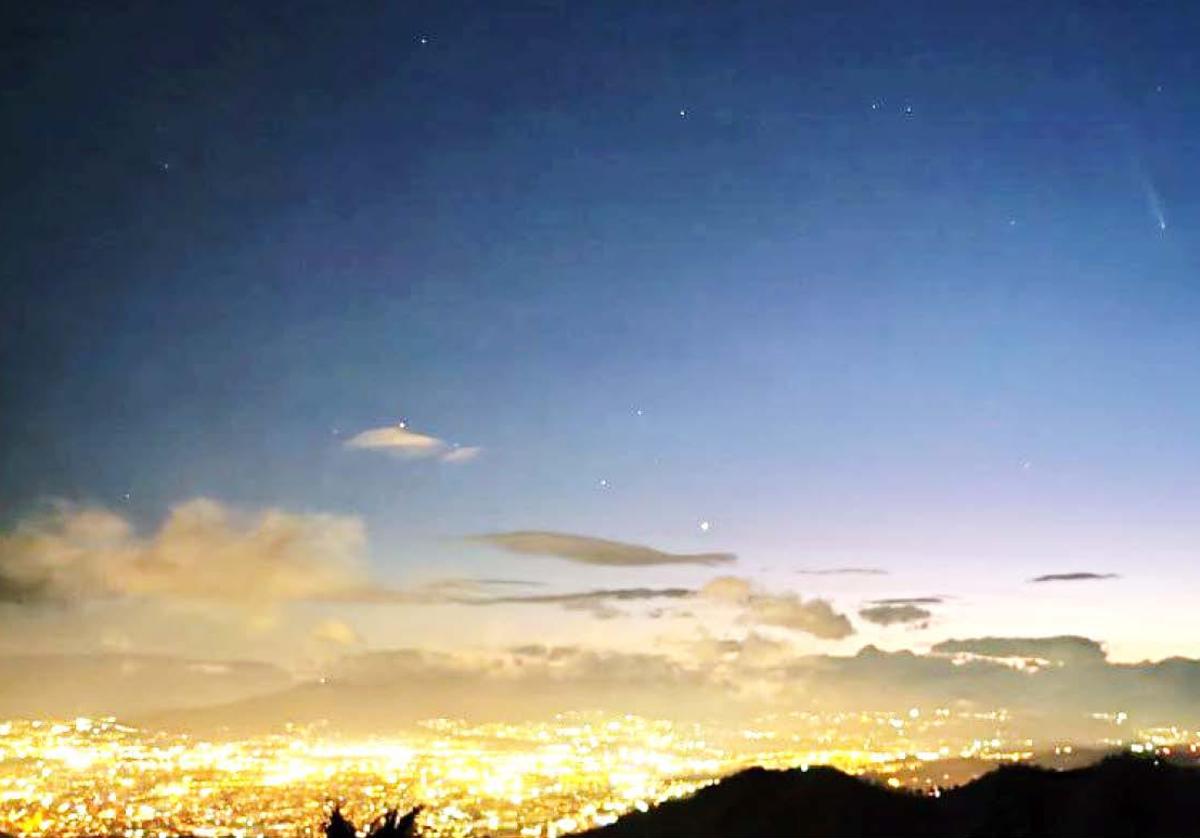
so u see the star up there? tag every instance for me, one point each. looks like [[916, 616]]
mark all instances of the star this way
[[423, 40], [639, 411], [603, 483], [682, 112], [705, 526], [166, 167]]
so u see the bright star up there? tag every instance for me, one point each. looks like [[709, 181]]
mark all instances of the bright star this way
[[705, 526]]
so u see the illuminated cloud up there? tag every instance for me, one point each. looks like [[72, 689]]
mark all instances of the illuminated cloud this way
[[202, 552], [595, 551], [400, 441], [336, 633], [888, 615], [1074, 577], [732, 590], [845, 571], [788, 610], [812, 616]]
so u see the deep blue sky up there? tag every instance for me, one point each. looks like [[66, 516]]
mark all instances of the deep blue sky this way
[[890, 283]]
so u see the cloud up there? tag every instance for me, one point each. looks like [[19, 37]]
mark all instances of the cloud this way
[[202, 552], [788, 610], [594, 551], [598, 603], [887, 615], [813, 616], [1060, 650], [845, 571], [1074, 577], [732, 590], [462, 454], [336, 633], [400, 441], [576, 597]]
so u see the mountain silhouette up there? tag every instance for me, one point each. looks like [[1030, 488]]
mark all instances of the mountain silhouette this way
[[1120, 796]]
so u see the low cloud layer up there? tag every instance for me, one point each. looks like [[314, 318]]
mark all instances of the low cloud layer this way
[[1058, 650], [398, 440], [594, 551], [202, 552], [816, 617], [890, 615], [1074, 577], [737, 677]]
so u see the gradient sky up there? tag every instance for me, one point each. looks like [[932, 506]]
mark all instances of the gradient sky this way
[[906, 287]]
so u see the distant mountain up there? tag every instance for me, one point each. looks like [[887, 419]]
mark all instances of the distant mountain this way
[[125, 685], [1121, 796]]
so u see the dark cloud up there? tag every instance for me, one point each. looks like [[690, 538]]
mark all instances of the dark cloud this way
[[23, 591], [845, 571], [887, 615], [573, 597], [596, 551], [598, 603], [1061, 650], [1074, 577]]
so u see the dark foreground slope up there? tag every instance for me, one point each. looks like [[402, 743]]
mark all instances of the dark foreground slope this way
[[1121, 796]]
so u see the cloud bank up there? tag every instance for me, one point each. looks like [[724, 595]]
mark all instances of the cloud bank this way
[[735, 678], [202, 552]]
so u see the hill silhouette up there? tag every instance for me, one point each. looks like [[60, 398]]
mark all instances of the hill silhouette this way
[[1120, 796]]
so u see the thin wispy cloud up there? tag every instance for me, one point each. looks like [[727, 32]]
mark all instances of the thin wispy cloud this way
[[844, 571], [600, 603], [1074, 577], [571, 597], [399, 441], [594, 551]]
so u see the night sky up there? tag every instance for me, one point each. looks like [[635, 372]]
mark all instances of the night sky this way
[[903, 288]]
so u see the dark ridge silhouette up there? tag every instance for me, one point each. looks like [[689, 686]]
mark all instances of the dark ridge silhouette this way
[[391, 825], [1120, 796]]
